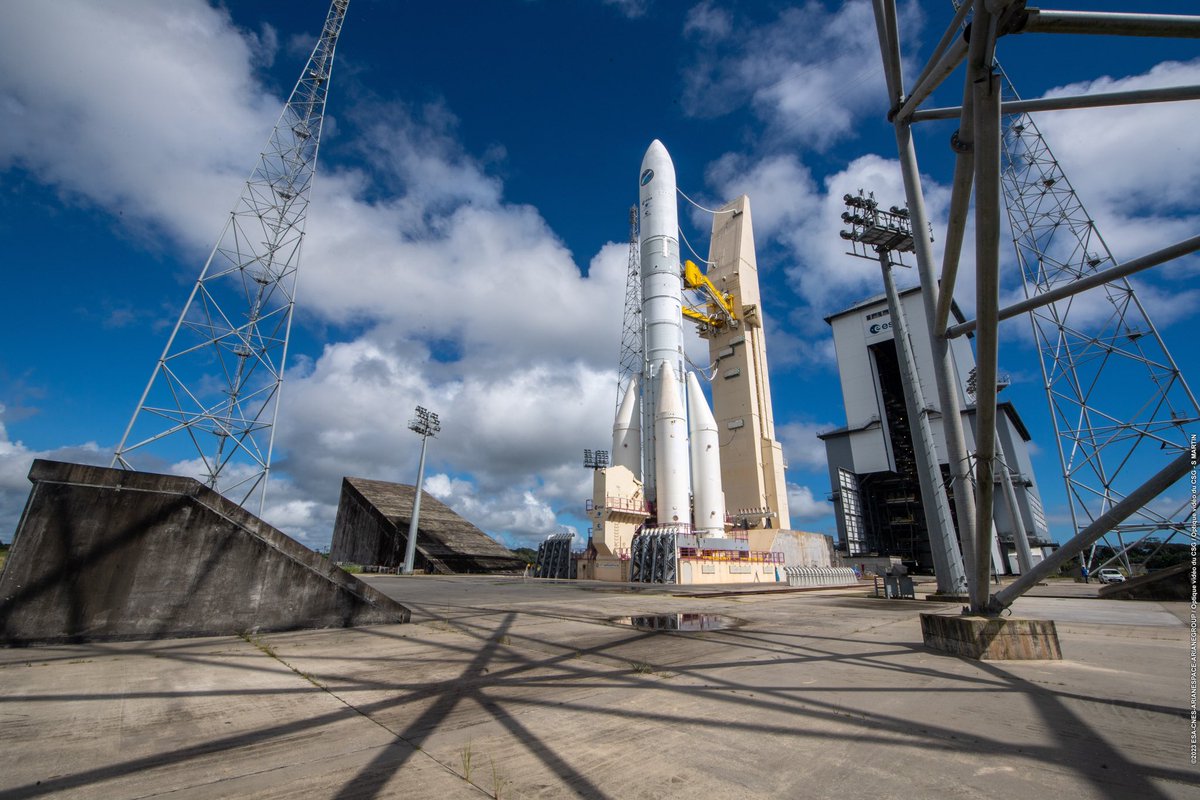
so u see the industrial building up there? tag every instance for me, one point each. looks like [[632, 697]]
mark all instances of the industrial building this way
[[372, 525], [872, 465]]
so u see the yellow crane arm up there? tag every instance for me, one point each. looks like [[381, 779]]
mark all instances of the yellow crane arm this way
[[720, 310]]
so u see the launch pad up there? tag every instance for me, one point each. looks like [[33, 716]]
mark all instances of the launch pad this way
[[511, 688]]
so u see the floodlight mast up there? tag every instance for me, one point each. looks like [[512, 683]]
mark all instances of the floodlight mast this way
[[221, 371], [595, 459], [425, 423], [875, 233]]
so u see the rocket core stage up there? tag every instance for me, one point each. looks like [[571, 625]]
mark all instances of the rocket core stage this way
[[664, 465]]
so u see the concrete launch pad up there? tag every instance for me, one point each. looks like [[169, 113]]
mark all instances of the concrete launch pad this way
[[525, 689]]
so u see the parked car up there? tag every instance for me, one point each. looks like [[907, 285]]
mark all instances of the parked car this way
[[1110, 575]]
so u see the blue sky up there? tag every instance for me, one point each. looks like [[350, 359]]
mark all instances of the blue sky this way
[[466, 249]]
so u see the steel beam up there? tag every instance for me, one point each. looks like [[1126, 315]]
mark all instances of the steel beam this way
[[1088, 282], [945, 374], [960, 202], [1110, 24], [986, 87], [947, 558], [952, 30], [1167, 94], [1020, 537], [953, 57], [1149, 490]]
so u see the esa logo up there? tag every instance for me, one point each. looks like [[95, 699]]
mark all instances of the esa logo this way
[[880, 327]]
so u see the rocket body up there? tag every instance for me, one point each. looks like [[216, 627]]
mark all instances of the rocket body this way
[[662, 292], [671, 451], [654, 441]]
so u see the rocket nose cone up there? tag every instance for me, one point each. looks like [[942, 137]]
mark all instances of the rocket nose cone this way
[[657, 157]]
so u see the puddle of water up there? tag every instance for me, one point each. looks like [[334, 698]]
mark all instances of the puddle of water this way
[[679, 622]]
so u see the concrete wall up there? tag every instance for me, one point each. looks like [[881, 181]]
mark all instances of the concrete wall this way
[[103, 554], [799, 548]]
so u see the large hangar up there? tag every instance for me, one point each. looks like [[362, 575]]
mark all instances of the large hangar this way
[[872, 467]]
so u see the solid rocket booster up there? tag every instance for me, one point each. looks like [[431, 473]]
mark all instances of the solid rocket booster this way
[[708, 500], [671, 452], [662, 292], [627, 434]]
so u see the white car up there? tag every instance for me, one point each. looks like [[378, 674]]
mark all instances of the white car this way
[[1110, 575]]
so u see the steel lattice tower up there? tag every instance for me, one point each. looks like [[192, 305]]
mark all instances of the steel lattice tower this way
[[631, 330], [218, 382], [1119, 403]]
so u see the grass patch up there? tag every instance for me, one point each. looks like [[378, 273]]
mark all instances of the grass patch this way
[[353, 569], [270, 651]]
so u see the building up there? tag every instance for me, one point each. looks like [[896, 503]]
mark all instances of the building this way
[[372, 524], [872, 468]]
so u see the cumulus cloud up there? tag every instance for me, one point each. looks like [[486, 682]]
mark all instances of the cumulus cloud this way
[[811, 93], [15, 460], [68, 111], [801, 446], [802, 505], [432, 289]]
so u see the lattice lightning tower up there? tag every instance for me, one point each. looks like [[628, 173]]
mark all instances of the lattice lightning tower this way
[[631, 330], [217, 385], [1119, 403]]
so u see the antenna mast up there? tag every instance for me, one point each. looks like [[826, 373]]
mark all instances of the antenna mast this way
[[631, 330], [215, 391]]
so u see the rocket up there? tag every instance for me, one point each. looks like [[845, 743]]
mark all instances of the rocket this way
[[669, 463]]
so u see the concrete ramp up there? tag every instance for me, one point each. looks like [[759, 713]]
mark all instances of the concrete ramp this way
[[106, 554], [372, 529]]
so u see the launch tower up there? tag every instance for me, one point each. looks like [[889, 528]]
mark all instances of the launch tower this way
[[215, 390]]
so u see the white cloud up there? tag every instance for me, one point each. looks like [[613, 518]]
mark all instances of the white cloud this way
[[782, 190], [113, 111], [459, 301], [802, 505], [807, 75], [801, 446], [707, 22], [629, 8], [15, 460]]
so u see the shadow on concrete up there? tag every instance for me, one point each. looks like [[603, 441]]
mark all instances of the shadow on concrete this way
[[491, 661]]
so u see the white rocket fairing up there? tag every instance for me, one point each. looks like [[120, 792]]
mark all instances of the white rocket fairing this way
[[708, 501]]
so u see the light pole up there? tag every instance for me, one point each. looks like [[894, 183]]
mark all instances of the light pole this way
[[888, 233], [426, 424]]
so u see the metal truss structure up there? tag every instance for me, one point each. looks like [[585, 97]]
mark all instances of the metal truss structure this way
[[554, 558], [631, 360], [217, 384], [653, 556], [1117, 397], [979, 175]]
